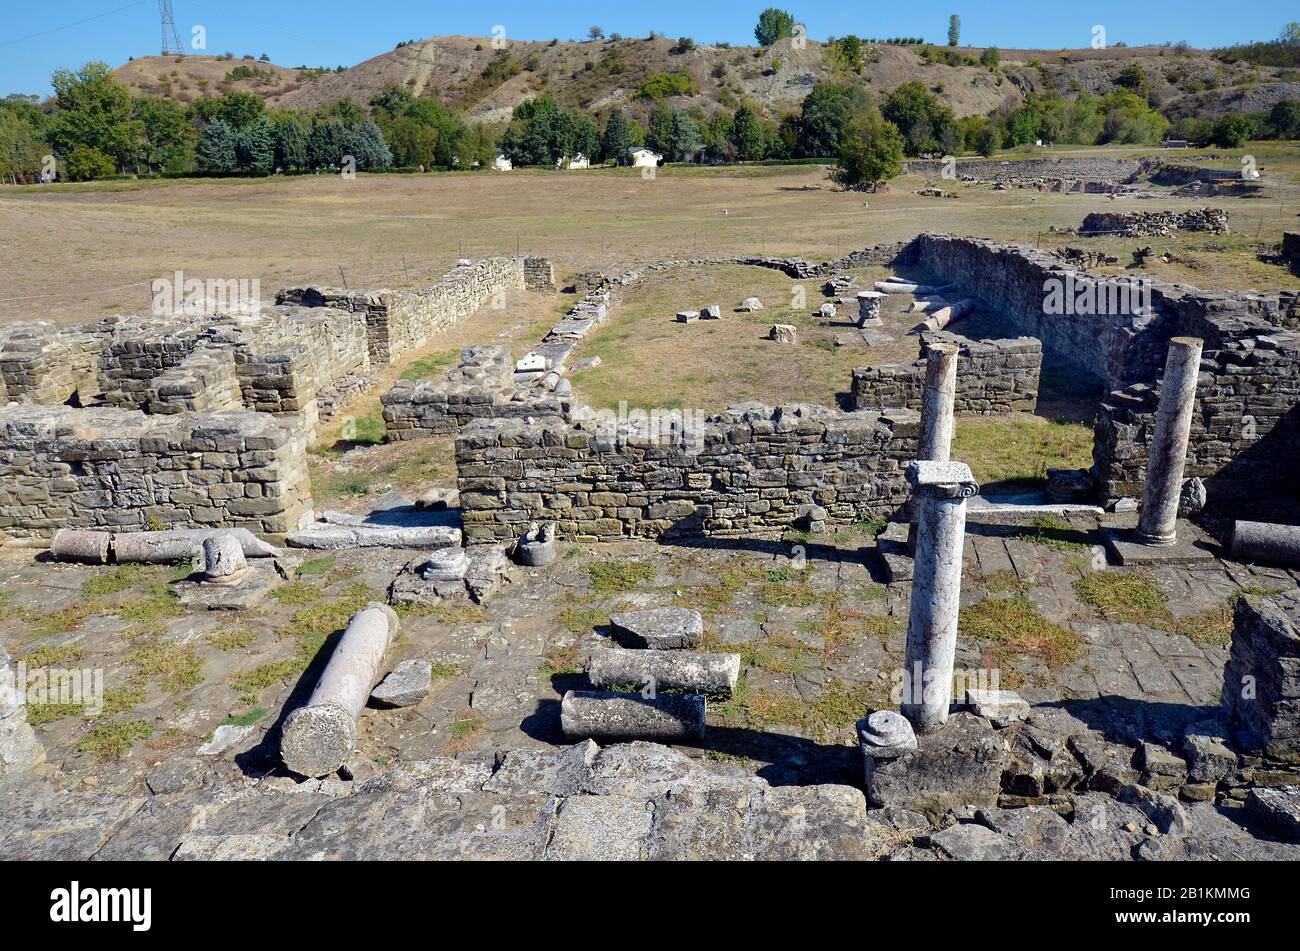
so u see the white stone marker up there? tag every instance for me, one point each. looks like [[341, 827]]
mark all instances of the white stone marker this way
[[1158, 519], [940, 490], [318, 737], [223, 559]]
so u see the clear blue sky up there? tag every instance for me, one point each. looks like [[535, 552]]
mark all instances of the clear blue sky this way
[[333, 32]]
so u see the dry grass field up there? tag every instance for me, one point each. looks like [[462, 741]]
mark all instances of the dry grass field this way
[[78, 252], [74, 252]]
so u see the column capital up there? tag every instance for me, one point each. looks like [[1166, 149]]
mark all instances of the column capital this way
[[942, 480]]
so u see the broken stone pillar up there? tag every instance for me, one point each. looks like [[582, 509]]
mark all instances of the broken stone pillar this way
[[869, 308], [696, 671], [1158, 519], [223, 560], [80, 544], [589, 714], [318, 737], [1263, 542], [177, 544], [940, 491]]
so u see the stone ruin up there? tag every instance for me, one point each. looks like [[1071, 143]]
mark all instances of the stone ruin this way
[[204, 420], [1148, 224]]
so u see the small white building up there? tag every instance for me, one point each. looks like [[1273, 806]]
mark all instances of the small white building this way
[[577, 161], [641, 157], [502, 164]]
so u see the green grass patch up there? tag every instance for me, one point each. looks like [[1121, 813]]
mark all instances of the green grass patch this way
[[1005, 581], [1020, 449], [173, 668], [315, 567], [1013, 629], [110, 740], [233, 640], [252, 682], [433, 365], [1053, 533], [616, 577], [1125, 598], [296, 593], [561, 660], [244, 719], [52, 655], [114, 580]]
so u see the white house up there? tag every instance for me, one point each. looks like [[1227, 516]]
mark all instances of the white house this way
[[577, 161], [502, 164], [642, 157]]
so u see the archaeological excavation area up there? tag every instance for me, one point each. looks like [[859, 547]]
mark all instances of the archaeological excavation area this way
[[736, 557]]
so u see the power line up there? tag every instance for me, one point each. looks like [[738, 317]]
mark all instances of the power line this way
[[68, 26]]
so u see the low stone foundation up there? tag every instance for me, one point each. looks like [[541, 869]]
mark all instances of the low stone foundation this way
[[481, 387], [1261, 684], [1154, 223], [123, 470], [993, 377], [749, 470]]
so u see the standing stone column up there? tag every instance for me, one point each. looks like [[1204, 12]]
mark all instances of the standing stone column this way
[[1158, 521], [937, 402], [940, 490], [937, 407]]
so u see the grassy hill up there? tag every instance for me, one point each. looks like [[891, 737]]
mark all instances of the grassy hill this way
[[486, 83]]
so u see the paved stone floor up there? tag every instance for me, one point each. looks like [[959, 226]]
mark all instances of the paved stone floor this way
[[821, 640]]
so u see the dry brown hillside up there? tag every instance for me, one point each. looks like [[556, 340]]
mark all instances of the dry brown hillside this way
[[469, 74]]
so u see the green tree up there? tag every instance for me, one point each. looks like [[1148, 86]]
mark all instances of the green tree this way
[[747, 136], [1132, 77], [21, 150], [255, 147], [392, 101], [327, 143], [954, 30], [991, 57], [93, 109], [369, 147], [921, 119], [773, 24], [167, 138], [346, 111], [290, 141], [412, 143], [86, 163], [1130, 120], [870, 152], [988, 139], [617, 138], [1284, 119], [824, 115], [1232, 131], [1022, 126], [217, 149]]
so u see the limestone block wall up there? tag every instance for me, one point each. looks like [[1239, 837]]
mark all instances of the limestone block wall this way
[[993, 377], [1098, 169], [41, 363], [1118, 348], [400, 321], [1245, 431], [1265, 649], [747, 470], [124, 470], [481, 386], [206, 380]]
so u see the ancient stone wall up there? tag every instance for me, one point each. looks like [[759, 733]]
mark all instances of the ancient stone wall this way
[[750, 469], [1154, 223], [1245, 431], [400, 321], [481, 386], [124, 470], [41, 363], [1097, 169], [993, 377], [1118, 347]]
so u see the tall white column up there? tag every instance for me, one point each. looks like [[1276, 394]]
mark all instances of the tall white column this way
[[1158, 520], [940, 490]]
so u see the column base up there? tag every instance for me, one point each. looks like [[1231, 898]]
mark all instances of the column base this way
[[1126, 547]]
